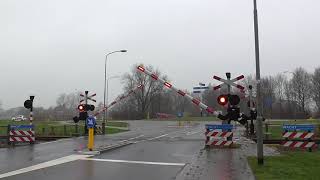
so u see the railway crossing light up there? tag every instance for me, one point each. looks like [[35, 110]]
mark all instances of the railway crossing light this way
[[234, 100], [222, 99], [28, 104], [89, 107], [81, 108]]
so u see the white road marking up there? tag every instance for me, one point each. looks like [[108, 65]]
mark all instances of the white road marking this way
[[136, 137], [45, 165], [163, 135], [67, 139], [192, 133], [131, 139], [135, 162]]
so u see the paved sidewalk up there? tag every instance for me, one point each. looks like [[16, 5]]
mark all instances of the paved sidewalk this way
[[223, 163]]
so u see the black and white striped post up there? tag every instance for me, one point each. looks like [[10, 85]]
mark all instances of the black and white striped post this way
[[31, 111], [29, 105]]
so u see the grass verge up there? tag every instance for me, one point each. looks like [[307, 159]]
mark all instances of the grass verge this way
[[56, 128], [289, 165]]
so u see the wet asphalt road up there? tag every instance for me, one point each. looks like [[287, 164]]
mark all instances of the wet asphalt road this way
[[160, 151]]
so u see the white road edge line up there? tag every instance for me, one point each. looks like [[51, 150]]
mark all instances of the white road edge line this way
[[135, 162], [66, 139], [192, 133], [45, 165], [131, 138], [163, 135], [136, 137]]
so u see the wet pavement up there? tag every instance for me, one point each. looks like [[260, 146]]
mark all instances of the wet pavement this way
[[159, 150]]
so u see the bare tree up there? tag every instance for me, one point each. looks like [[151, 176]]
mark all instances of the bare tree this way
[[301, 85], [66, 105], [149, 92], [280, 81], [181, 103], [268, 95], [316, 88]]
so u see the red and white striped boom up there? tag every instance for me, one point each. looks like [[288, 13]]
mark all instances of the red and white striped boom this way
[[180, 92], [118, 100]]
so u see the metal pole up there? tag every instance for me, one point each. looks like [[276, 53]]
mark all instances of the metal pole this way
[[258, 101], [104, 96], [250, 107], [86, 102], [107, 97], [31, 112], [228, 74]]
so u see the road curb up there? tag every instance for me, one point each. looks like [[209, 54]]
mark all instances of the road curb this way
[[111, 147]]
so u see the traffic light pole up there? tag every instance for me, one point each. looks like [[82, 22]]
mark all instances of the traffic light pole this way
[[250, 107], [31, 111], [85, 102], [258, 101], [228, 74]]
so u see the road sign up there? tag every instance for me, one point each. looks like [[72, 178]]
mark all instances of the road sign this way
[[21, 126], [91, 122], [204, 87], [86, 97], [228, 82], [219, 126], [298, 127]]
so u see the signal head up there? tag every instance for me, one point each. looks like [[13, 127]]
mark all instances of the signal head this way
[[222, 99], [234, 100], [81, 108], [28, 104], [89, 107], [76, 119]]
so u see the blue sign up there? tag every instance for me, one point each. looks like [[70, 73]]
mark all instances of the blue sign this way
[[196, 91], [219, 126], [206, 87], [268, 101], [180, 114], [298, 127], [21, 126], [91, 122]]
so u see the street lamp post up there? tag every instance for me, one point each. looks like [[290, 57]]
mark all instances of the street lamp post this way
[[107, 96], [259, 105], [104, 94]]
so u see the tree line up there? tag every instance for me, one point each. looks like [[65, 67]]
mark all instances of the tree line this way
[[286, 95]]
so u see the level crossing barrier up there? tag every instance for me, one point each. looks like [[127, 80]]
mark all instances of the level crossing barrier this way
[[21, 134], [299, 136], [218, 135]]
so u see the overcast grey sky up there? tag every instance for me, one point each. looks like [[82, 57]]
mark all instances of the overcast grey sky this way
[[48, 47]]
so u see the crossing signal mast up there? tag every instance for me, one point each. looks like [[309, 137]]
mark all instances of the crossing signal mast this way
[[232, 100], [84, 108]]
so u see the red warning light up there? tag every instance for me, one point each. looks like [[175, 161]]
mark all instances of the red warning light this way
[[81, 107], [222, 100]]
